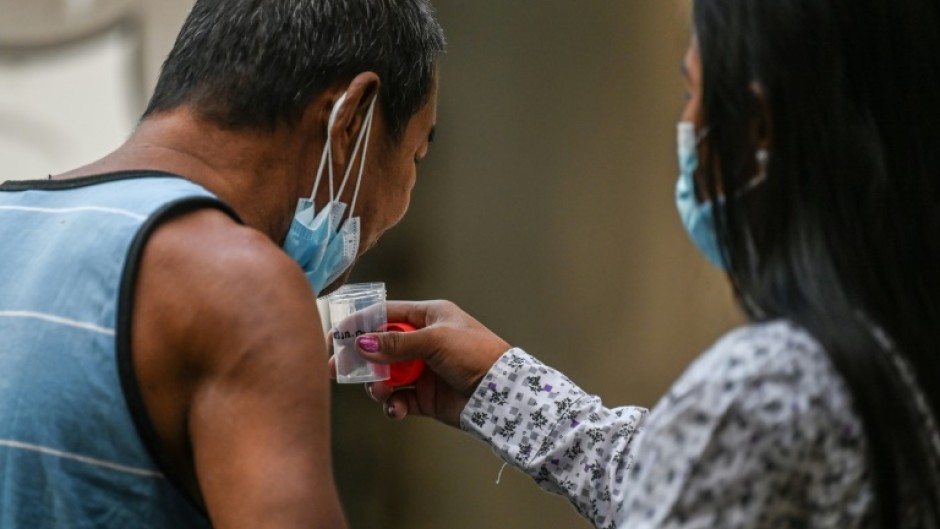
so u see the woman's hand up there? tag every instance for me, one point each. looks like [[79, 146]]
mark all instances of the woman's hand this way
[[457, 349]]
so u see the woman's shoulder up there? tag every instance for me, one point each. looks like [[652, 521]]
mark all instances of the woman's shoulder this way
[[776, 353], [772, 373], [760, 427], [771, 345]]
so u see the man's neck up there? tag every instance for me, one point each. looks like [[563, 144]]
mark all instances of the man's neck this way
[[258, 174]]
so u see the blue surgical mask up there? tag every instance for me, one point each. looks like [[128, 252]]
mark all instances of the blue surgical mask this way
[[321, 242], [697, 217]]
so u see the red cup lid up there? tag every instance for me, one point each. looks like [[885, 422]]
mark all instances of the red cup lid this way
[[396, 327], [402, 373]]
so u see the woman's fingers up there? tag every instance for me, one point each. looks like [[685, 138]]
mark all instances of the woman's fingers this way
[[422, 314], [396, 403], [379, 391], [458, 351], [391, 347], [332, 367], [414, 313], [400, 404]]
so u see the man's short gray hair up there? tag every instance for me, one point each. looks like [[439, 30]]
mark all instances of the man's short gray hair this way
[[259, 63]]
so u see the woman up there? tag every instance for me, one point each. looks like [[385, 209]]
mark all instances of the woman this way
[[810, 157]]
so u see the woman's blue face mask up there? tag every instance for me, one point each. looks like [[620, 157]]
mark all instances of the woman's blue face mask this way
[[699, 217]]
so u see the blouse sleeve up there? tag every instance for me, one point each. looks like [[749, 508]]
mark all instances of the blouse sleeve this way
[[759, 432], [538, 420]]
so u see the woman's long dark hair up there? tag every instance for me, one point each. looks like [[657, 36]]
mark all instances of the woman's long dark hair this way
[[843, 235]]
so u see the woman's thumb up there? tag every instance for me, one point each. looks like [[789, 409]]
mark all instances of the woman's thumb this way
[[387, 347]]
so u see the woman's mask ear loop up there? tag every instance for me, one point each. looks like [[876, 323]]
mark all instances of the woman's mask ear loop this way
[[761, 156]]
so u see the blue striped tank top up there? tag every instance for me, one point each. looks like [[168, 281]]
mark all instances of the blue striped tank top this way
[[75, 442]]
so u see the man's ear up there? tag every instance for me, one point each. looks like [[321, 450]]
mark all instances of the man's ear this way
[[349, 118]]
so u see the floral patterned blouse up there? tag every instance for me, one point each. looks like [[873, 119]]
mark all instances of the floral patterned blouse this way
[[759, 432]]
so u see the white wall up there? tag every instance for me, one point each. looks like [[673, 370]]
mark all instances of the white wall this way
[[61, 109], [64, 106]]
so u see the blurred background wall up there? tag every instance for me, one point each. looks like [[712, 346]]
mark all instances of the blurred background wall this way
[[545, 209]]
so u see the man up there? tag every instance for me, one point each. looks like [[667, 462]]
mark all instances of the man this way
[[161, 359]]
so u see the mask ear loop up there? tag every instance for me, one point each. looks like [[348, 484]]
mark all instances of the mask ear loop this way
[[327, 157], [365, 149], [689, 139], [761, 156], [363, 135]]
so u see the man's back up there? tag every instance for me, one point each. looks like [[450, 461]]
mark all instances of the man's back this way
[[70, 450]]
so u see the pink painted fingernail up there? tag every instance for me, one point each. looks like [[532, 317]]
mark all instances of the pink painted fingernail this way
[[369, 344]]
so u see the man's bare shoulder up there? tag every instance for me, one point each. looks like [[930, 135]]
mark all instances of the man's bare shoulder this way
[[225, 325], [211, 280]]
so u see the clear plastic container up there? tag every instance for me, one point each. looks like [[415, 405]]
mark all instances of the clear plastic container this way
[[356, 309]]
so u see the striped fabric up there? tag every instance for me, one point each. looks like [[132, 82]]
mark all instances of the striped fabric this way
[[73, 440]]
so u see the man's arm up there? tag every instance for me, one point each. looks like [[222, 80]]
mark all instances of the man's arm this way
[[231, 363]]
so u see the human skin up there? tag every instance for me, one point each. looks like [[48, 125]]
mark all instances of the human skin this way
[[225, 342]]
